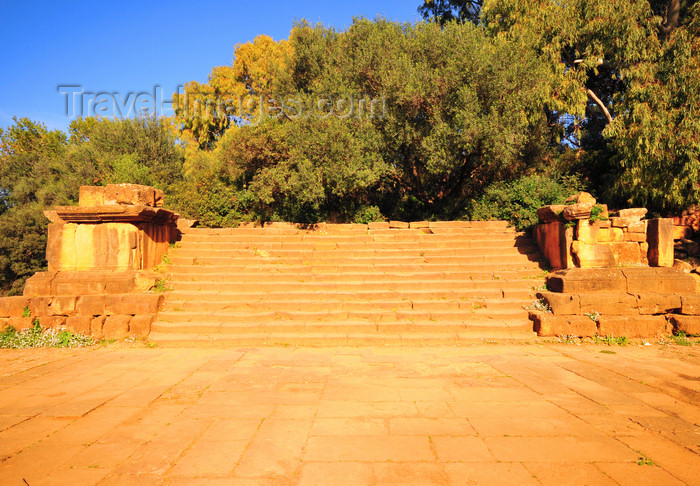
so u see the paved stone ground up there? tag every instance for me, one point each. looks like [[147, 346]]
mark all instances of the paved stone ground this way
[[486, 414]]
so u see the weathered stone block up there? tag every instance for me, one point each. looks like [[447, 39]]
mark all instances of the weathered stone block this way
[[587, 232], [20, 323], [626, 253], [13, 306], [38, 284], [636, 237], [660, 239], [654, 279], [39, 306], [116, 327], [139, 304], [549, 214], [62, 306], [580, 280], [658, 303], [638, 227], [418, 224], [633, 213], [91, 305], [609, 304], [378, 225], [577, 211], [140, 326], [561, 304], [131, 194], [592, 255], [91, 196], [617, 234], [682, 232], [690, 304], [398, 224], [633, 326], [582, 197], [79, 324], [686, 324], [96, 326], [549, 325], [159, 198], [52, 322]]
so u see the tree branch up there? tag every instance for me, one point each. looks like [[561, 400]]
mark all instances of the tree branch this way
[[600, 104]]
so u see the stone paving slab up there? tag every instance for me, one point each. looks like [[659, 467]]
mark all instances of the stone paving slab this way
[[548, 414]]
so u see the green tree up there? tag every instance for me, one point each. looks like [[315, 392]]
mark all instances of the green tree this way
[[446, 10]]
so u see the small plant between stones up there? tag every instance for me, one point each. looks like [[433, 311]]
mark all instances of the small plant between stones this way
[[161, 286], [644, 461], [38, 337], [539, 305], [592, 316], [611, 340]]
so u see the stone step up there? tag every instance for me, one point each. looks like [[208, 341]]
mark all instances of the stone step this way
[[325, 315], [384, 251], [512, 271], [504, 238], [329, 339], [270, 285], [360, 296], [321, 304]]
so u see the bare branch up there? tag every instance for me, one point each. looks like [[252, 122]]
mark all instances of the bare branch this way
[[601, 104]]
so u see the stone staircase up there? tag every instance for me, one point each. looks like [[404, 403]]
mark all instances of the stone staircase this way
[[417, 284]]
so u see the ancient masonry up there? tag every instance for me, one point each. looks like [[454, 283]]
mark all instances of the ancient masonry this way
[[120, 266], [614, 276]]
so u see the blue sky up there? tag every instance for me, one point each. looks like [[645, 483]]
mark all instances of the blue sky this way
[[128, 47]]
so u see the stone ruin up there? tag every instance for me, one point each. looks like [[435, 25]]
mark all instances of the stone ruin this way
[[101, 255], [612, 274]]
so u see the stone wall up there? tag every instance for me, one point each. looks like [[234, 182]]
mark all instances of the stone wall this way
[[570, 236], [632, 302], [101, 257]]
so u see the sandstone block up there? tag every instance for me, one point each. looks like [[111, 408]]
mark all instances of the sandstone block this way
[[39, 306], [690, 304], [62, 306], [682, 232], [604, 235], [635, 237], [633, 326], [96, 326], [140, 326], [116, 327], [377, 225], [52, 322], [91, 196], [617, 234], [13, 306], [686, 324], [587, 232], [655, 279], [562, 304], [626, 253], [398, 224], [608, 304], [38, 284], [554, 241], [638, 227], [592, 255], [20, 323], [577, 211], [658, 303], [79, 324], [549, 325], [141, 304], [91, 305], [580, 280], [53, 217], [660, 239], [130, 194], [633, 213], [159, 198], [183, 224], [548, 214], [419, 224], [582, 197]]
